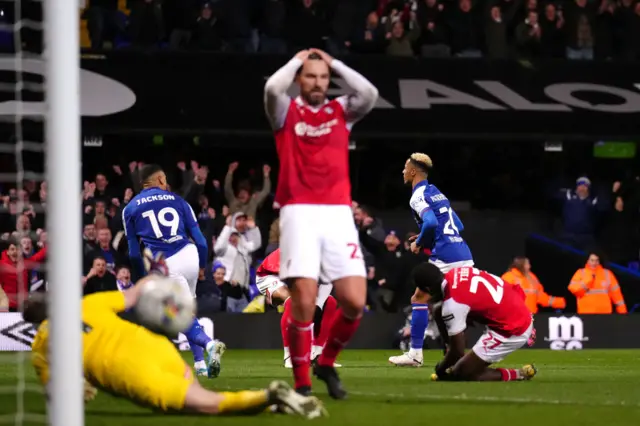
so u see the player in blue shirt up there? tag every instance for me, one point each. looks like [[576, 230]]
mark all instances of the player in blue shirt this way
[[166, 224], [440, 229]]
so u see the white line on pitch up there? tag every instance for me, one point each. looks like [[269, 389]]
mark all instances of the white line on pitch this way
[[468, 398]]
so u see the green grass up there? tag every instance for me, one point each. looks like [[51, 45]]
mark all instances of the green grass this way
[[579, 388]]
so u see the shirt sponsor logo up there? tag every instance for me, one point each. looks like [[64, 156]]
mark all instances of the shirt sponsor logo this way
[[303, 129]]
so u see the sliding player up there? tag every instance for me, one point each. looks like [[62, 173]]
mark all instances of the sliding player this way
[[165, 223], [277, 293], [465, 293], [317, 232], [440, 230], [129, 361]]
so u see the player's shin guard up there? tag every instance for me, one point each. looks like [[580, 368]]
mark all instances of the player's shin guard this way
[[284, 325], [419, 322], [328, 316], [243, 402], [300, 341], [341, 331]]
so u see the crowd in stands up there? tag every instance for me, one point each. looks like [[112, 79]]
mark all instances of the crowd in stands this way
[[238, 220], [575, 29]]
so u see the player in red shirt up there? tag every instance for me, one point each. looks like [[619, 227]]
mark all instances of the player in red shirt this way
[[317, 232], [469, 294], [277, 293]]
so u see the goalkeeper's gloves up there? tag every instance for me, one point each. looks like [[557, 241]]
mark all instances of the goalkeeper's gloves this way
[[90, 391], [155, 264]]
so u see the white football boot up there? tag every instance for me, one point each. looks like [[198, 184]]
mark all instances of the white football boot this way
[[407, 359], [200, 368]]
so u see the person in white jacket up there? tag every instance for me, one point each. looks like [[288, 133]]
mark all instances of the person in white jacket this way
[[236, 243]]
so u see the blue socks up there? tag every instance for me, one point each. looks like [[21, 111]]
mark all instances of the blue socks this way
[[197, 339], [419, 322]]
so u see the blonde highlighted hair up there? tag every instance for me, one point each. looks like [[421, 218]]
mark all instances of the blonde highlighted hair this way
[[422, 161]]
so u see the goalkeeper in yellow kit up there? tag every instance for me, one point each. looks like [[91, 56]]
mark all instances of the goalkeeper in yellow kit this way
[[129, 361]]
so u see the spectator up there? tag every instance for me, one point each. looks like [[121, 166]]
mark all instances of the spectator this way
[[272, 27], [399, 42], [528, 37], [520, 274], [106, 251], [23, 228], [371, 39], [99, 279], [580, 17], [4, 301], [596, 288], [274, 237], [146, 24], [552, 40], [14, 278], [390, 272], [579, 215], [604, 30], [628, 29], [102, 191], [620, 235], [307, 25], [465, 31], [123, 278], [103, 22], [433, 38], [89, 243], [185, 13], [233, 295], [496, 34], [237, 26], [235, 244], [207, 31], [243, 201], [208, 291]]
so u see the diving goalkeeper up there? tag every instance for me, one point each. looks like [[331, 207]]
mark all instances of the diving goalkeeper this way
[[129, 361]]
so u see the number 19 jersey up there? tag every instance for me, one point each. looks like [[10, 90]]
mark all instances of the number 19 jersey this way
[[448, 246], [161, 219]]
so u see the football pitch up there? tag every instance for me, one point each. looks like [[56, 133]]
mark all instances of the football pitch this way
[[590, 387]]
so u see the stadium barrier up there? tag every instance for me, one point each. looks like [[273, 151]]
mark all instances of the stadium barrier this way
[[378, 331], [555, 263]]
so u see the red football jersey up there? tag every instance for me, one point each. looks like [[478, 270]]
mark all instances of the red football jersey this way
[[483, 298], [270, 265], [313, 149]]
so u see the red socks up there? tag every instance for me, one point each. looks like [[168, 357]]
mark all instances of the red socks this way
[[284, 322], [340, 333], [508, 374], [328, 316], [300, 341]]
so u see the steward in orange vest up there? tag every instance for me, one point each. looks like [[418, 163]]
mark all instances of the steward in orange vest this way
[[520, 274], [596, 289]]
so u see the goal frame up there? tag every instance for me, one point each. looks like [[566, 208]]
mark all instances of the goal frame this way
[[64, 208]]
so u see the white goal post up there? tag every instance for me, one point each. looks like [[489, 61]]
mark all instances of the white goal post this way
[[64, 221]]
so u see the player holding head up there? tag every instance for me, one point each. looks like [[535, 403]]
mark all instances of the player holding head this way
[[129, 361], [165, 223], [277, 293], [439, 236], [317, 233], [464, 293]]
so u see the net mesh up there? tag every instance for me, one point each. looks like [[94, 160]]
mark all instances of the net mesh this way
[[21, 160]]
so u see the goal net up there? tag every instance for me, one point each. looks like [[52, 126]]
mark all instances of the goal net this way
[[40, 179]]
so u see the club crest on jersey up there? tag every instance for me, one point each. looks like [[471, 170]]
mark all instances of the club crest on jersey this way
[[328, 110]]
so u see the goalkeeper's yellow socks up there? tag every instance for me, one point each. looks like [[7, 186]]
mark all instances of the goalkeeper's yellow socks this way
[[243, 402]]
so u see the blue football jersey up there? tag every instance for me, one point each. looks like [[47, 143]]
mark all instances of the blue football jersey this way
[[160, 219], [448, 245]]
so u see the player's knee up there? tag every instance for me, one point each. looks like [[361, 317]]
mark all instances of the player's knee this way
[[353, 308]]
